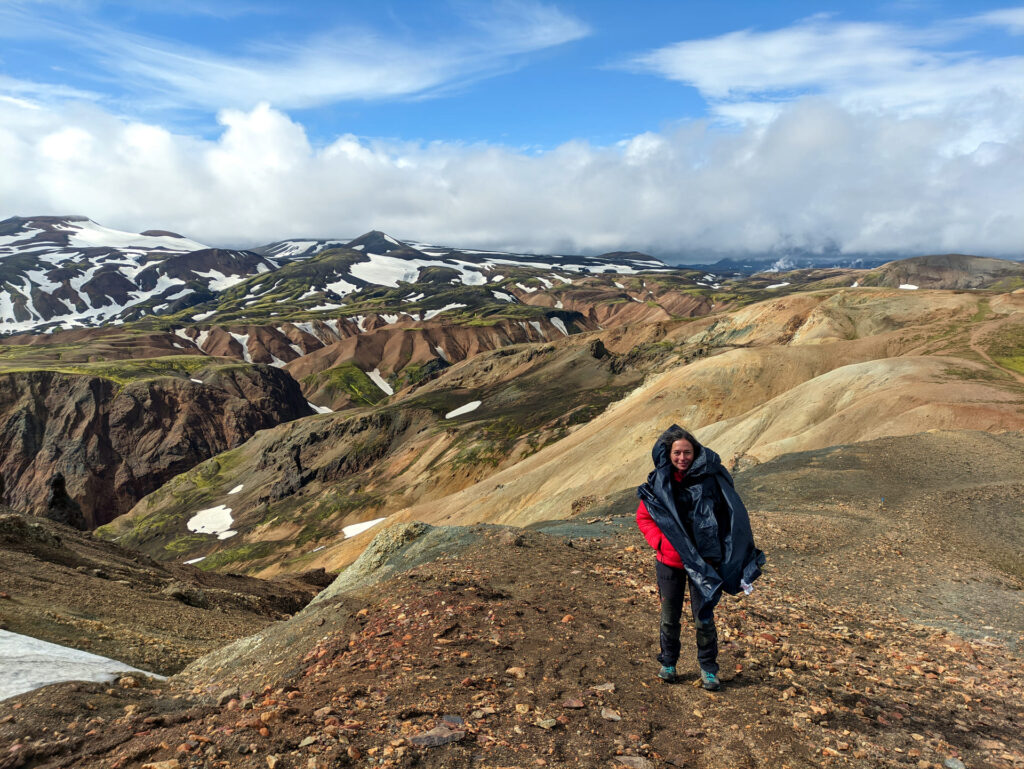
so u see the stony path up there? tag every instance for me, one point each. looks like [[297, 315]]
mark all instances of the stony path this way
[[531, 650]]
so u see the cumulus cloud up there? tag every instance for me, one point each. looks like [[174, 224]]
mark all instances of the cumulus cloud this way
[[818, 176]]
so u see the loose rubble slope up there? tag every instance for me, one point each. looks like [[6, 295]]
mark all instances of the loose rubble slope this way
[[873, 640], [63, 586]]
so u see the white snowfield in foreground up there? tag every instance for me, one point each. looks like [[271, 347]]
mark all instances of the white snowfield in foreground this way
[[358, 528], [214, 520], [471, 406], [908, 286], [28, 663]]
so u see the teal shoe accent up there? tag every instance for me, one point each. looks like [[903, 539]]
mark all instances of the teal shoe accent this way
[[667, 673], [710, 681]]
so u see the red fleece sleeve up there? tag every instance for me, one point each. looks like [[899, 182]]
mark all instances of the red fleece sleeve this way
[[647, 526]]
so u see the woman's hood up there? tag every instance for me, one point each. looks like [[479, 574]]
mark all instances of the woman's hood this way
[[705, 461]]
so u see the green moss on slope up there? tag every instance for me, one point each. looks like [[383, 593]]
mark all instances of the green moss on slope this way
[[122, 371], [347, 378]]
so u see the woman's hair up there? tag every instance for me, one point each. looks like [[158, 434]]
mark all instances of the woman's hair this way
[[677, 433]]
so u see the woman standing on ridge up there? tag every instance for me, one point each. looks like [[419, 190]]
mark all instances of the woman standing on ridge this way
[[697, 524]]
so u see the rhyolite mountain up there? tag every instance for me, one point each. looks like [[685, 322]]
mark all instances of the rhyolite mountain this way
[[948, 271], [872, 419], [539, 431], [401, 337], [70, 271]]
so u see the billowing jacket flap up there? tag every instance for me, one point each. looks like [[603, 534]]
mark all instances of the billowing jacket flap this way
[[741, 559]]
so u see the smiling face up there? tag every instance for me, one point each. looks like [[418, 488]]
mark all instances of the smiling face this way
[[681, 455]]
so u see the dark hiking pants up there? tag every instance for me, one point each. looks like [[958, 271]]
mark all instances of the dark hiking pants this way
[[672, 588]]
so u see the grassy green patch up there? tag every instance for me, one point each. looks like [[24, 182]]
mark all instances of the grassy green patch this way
[[340, 502], [974, 374], [984, 311], [488, 453], [348, 379], [1006, 347], [1007, 285], [1013, 362], [313, 532], [187, 543], [248, 551], [125, 371]]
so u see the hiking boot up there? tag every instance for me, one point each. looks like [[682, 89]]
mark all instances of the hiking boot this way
[[667, 673], [710, 681]]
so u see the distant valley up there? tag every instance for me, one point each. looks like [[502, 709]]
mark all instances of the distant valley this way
[[335, 382]]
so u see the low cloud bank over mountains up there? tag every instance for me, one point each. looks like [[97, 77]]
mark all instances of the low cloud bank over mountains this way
[[817, 177]]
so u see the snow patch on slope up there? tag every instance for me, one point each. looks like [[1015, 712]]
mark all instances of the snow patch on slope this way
[[92, 235], [218, 280], [388, 270], [380, 381], [471, 406], [29, 663], [359, 528], [434, 313], [214, 520], [243, 339]]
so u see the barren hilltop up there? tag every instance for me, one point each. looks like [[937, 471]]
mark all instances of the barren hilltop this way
[[443, 447]]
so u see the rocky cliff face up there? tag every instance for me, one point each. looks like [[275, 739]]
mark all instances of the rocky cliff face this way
[[114, 443], [292, 490]]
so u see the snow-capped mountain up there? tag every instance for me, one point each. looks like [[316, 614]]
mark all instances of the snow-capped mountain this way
[[63, 272], [71, 271], [376, 243], [621, 262], [58, 236], [283, 251]]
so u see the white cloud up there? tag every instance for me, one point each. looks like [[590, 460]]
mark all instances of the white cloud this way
[[817, 175], [335, 65], [30, 92], [862, 67], [1010, 18]]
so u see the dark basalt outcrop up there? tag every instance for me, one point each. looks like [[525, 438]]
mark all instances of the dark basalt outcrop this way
[[114, 443]]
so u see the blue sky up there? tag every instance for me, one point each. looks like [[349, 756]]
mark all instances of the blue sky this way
[[678, 127]]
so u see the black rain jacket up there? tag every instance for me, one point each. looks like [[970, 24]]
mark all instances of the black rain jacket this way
[[724, 539]]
